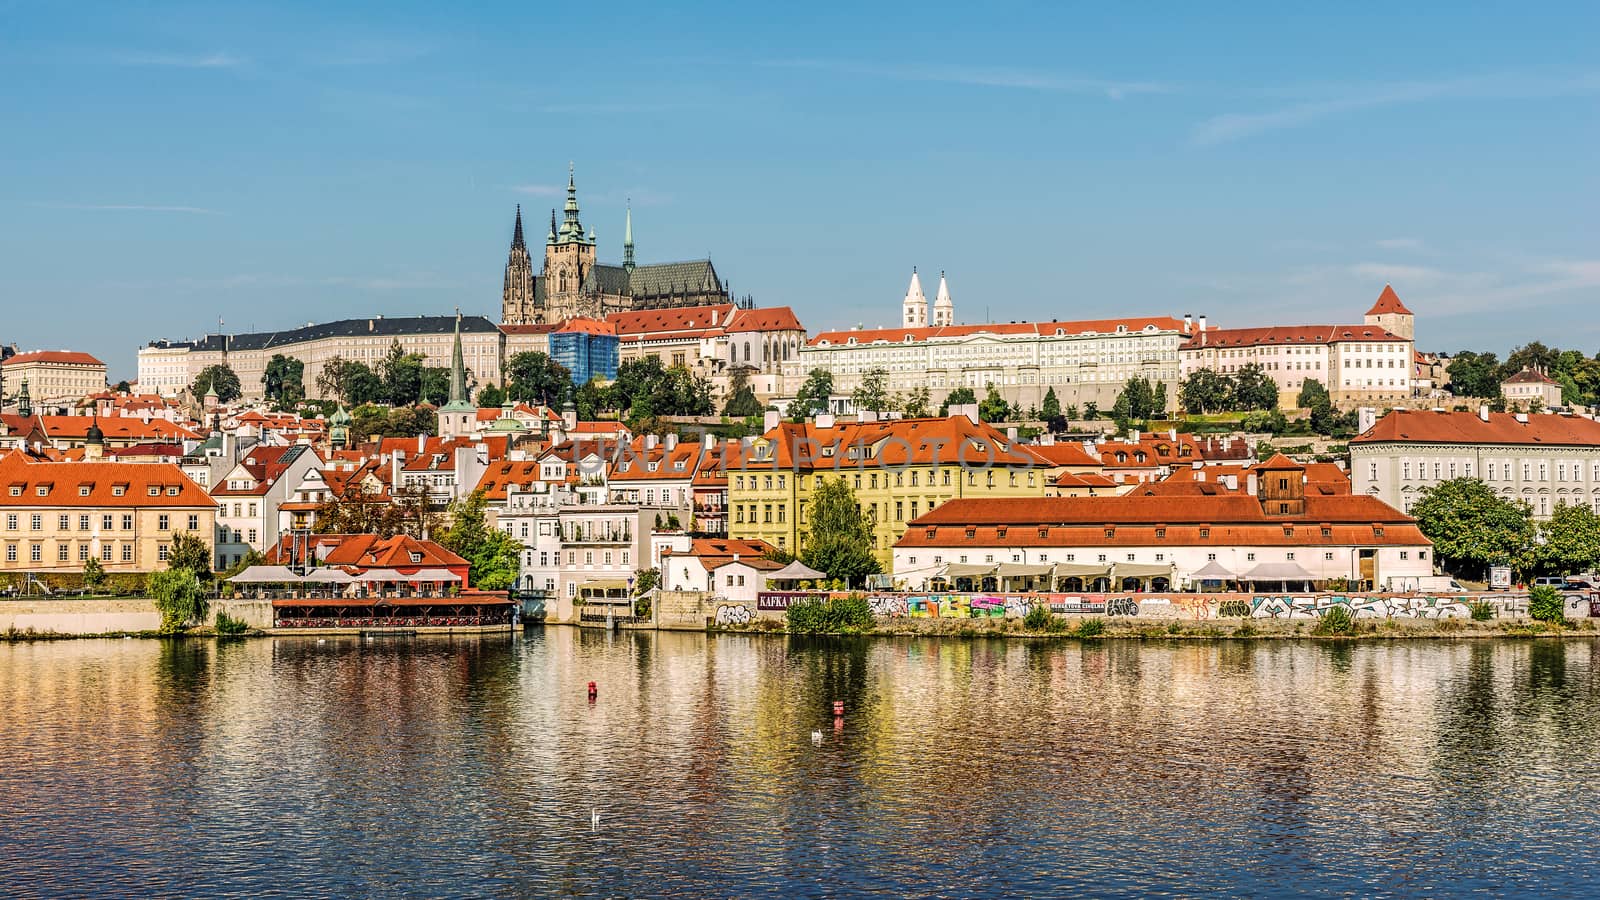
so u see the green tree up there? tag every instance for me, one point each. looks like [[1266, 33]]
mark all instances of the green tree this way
[[1530, 355], [351, 381], [222, 378], [536, 378], [491, 395], [1137, 401], [494, 556], [589, 400], [1050, 408], [190, 551], [1314, 396], [1474, 374], [993, 407], [813, 396], [873, 391], [435, 385], [178, 597], [961, 396], [1264, 422], [916, 403], [1570, 540], [1205, 391], [742, 402], [94, 574], [401, 374], [1545, 604], [1253, 388], [840, 541], [283, 382], [1472, 528], [123, 387]]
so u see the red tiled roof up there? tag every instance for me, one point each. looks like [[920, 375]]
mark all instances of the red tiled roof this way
[[115, 428], [765, 318], [1530, 375], [65, 484], [585, 325], [684, 318], [716, 552], [65, 357], [890, 442], [1428, 427], [1131, 509], [1065, 453], [634, 463], [527, 329], [1388, 302], [368, 551], [898, 335], [1287, 334]]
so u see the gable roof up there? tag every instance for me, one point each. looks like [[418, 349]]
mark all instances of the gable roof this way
[[1530, 375], [1288, 335], [95, 484], [1416, 426], [996, 329], [64, 357], [660, 279]]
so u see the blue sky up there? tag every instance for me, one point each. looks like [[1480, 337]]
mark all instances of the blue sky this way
[[271, 165]]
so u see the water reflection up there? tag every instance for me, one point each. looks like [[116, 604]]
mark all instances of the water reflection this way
[[471, 767]]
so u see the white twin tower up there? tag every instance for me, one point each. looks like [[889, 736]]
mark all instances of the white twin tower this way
[[915, 305]]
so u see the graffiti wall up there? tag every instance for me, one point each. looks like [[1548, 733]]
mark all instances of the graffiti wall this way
[[734, 614]]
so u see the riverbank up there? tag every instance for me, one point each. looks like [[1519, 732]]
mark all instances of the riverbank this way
[[1147, 628]]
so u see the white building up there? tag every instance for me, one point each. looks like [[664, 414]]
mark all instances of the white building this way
[[1277, 537], [249, 496], [1541, 459], [733, 570]]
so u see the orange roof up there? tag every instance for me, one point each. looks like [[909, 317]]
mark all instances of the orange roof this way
[[716, 552], [1530, 375], [638, 463], [585, 325], [1286, 335], [682, 318], [1084, 479], [1095, 326], [363, 551], [765, 318], [527, 329], [115, 428], [66, 357], [503, 475], [1428, 427], [890, 442], [1065, 453], [97, 484], [1388, 302], [1222, 534]]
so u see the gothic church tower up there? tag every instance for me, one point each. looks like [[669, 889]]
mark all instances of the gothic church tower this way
[[568, 260], [516, 299]]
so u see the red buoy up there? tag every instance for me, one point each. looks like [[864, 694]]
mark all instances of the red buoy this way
[[838, 707], [593, 690]]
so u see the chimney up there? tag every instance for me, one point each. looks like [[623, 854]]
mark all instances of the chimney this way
[[1233, 482], [1011, 433], [770, 420], [1134, 436], [1366, 417], [396, 463], [1483, 412], [866, 416], [1202, 323], [422, 444], [824, 420], [670, 441], [1188, 322], [970, 410], [1172, 434], [650, 441], [1523, 418], [1199, 473], [230, 446], [709, 441], [1250, 484]]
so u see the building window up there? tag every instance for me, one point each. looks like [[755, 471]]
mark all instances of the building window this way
[[127, 553], [83, 522], [105, 552], [1250, 557], [62, 552], [163, 522], [127, 521], [36, 521]]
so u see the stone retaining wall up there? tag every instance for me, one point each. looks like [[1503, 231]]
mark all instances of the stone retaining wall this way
[[92, 616]]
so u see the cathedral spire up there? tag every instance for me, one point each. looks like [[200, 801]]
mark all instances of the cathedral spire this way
[[458, 368], [516, 235], [914, 307], [944, 308], [551, 237], [627, 240]]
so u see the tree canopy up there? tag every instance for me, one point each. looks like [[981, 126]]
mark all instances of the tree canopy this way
[[220, 377], [916, 403], [840, 541], [1472, 528], [873, 391], [494, 556], [742, 402], [993, 407], [961, 396], [644, 389], [1205, 391], [283, 382], [813, 396], [536, 378], [1570, 541], [350, 381]]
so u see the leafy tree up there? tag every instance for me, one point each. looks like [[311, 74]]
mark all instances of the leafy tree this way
[[1570, 540], [436, 385], [873, 391], [916, 403], [491, 395], [813, 396], [1253, 388], [495, 557], [1137, 401], [536, 378], [94, 574], [742, 401], [1314, 396], [1472, 528], [401, 374], [189, 551], [123, 387], [590, 400], [645, 580], [1091, 411], [1205, 391], [360, 511], [284, 380], [350, 381], [961, 396], [645, 389], [1474, 374], [1530, 355], [178, 598], [840, 538], [993, 407], [1265, 422], [222, 378], [1050, 408]]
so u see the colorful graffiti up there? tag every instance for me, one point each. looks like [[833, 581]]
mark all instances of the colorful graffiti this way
[[734, 614], [1229, 609], [888, 607]]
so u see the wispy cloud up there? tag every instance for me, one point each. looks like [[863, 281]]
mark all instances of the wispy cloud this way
[[1411, 244], [1392, 273], [131, 207], [178, 60], [1324, 103], [982, 77]]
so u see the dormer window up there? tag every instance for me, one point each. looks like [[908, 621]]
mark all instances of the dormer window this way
[[83, 490], [154, 490], [16, 490], [1111, 533], [172, 491], [117, 490], [416, 557], [43, 490]]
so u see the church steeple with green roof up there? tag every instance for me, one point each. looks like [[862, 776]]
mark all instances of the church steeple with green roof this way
[[458, 416]]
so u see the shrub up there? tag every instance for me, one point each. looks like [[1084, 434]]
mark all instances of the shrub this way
[[1248, 629], [830, 616], [1337, 620], [1482, 610], [1174, 628], [1038, 618], [227, 624], [1546, 604], [178, 598], [1089, 628]]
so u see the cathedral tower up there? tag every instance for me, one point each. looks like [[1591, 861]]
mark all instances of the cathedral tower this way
[[568, 260], [1391, 315], [915, 306], [944, 309], [516, 299]]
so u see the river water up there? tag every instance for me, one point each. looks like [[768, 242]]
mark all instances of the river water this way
[[437, 766]]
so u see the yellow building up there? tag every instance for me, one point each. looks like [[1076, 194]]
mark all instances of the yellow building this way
[[56, 516], [899, 469], [54, 376]]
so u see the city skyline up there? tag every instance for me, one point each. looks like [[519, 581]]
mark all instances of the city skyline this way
[[273, 168]]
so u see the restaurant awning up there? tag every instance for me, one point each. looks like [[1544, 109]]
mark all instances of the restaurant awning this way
[[604, 585], [796, 571], [1134, 570], [1073, 570], [380, 575], [1277, 571], [1212, 571], [965, 570], [435, 575], [266, 575], [1022, 570], [328, 576]]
